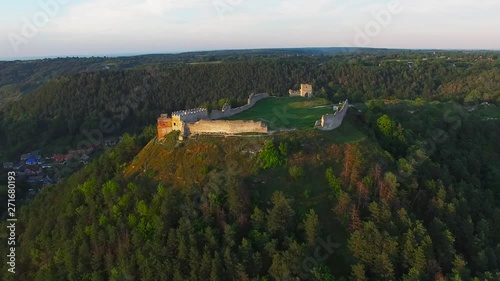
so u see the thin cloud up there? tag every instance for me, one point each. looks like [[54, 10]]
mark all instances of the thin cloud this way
[[107, 26]]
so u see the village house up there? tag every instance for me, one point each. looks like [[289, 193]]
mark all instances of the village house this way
[[33, 154], [110, 142], [35, 170], [35, 179], [19, 166], [84, 158], [33, 161], [25, 173], [58, 158]]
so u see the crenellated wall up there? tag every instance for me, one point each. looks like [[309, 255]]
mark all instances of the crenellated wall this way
[[190, 115], [330, 122]]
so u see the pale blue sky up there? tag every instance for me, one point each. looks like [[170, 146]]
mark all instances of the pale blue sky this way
[[110, 27]]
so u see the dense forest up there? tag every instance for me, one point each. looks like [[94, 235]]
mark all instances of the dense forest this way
[[23, 76], [413, 195], [61, 108], [386, 207]]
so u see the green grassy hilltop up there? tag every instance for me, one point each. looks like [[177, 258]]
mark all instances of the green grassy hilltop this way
[[287, 112], [297, 113]]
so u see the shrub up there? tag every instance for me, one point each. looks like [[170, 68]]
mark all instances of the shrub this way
[[270, 157], [296, 172]]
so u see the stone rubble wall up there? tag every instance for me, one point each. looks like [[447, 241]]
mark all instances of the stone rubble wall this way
[[293, 93]]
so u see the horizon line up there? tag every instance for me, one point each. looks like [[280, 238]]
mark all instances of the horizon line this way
[[129, 55]]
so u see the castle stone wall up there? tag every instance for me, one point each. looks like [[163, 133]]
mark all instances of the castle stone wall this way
[[190, 115], [195, 121], [228, 111], [224, 127], [164, 126], [332, 121], [254, 98]]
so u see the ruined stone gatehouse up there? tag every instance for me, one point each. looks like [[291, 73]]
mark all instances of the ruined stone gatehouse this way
[[306, 91]]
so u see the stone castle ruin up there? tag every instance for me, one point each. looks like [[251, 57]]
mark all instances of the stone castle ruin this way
[[330, 122], [306, 91], [198, 121]]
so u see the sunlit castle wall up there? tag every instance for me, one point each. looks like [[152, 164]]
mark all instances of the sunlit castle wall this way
[[164, 126], [188, 116], [222, 127], [332, 121]]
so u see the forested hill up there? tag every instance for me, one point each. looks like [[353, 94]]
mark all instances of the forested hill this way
[[23, 76], [65, 105], [404, 191]]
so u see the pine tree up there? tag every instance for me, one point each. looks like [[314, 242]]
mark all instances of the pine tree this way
[[216, 269], [280, 217], [311, 225]]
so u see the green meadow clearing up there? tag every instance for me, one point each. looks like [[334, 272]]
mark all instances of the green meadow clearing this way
[[301, 114], [287, 113]]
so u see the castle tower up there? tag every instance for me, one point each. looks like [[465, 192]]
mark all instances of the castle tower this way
[[306, 90], [164, 126]]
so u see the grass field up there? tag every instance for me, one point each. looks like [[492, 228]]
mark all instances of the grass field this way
[[287, 113]]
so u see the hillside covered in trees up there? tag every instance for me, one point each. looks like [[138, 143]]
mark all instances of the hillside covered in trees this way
[[383, 206], [58, 110], [407, 189]]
